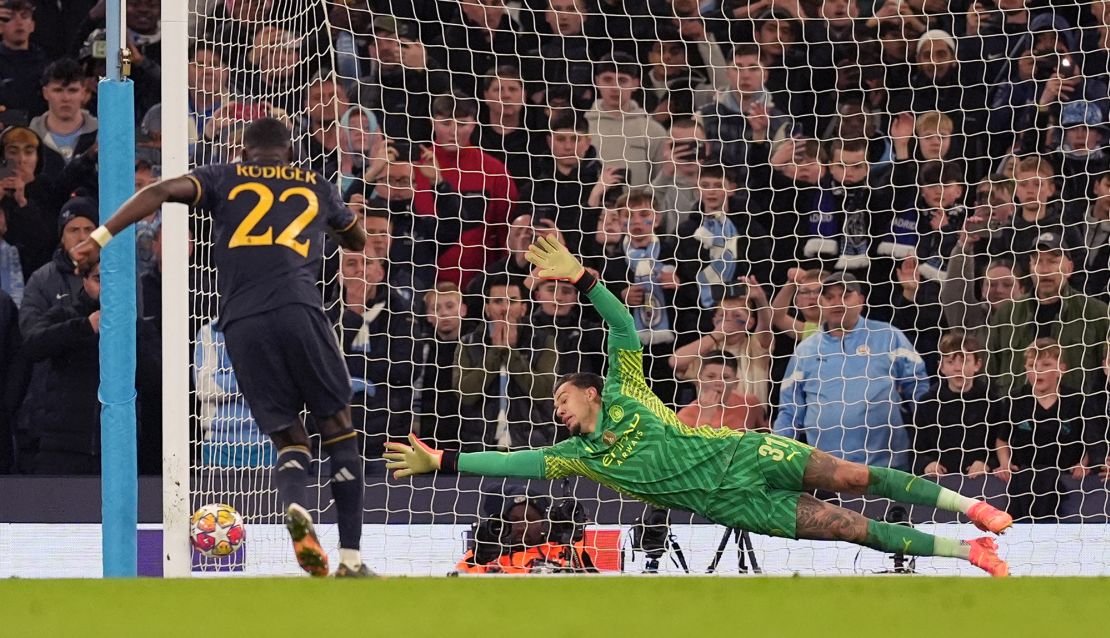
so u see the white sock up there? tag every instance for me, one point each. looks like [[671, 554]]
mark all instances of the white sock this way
[[350, 557], [954, 501]]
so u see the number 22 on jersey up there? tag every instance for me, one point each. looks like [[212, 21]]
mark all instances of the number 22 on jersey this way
[[244, 234]]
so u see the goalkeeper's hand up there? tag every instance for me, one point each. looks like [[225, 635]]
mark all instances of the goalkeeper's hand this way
[[554, 261], [407, 460]]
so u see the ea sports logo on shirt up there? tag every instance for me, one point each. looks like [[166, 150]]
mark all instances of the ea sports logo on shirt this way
[[616, 413]]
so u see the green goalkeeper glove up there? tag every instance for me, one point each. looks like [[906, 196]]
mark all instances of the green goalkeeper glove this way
[[554, 261], [406, 460]]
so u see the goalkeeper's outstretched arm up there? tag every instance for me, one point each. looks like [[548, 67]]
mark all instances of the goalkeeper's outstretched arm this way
[[554, 261], [419, 458]]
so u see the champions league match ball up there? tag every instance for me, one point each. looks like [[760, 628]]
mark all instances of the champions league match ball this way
[[217, 530]]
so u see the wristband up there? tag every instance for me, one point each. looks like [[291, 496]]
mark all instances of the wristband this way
[[585, 282], [449, 462], [101, 236]]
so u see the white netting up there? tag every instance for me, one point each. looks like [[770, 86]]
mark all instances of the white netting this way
[[951, 158]]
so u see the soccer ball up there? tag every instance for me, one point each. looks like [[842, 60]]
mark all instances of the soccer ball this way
[[217, 530]]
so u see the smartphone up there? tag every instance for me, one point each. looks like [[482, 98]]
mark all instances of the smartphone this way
[[687, 150], [622, 175], [1067, 67], [13, 117]]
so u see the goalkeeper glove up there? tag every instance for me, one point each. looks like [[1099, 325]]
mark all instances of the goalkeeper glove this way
[[554, 261], [406, 460]]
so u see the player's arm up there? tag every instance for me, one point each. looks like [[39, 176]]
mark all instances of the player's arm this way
[[555, 262], [420, 458], [179, 190], [351, 238]]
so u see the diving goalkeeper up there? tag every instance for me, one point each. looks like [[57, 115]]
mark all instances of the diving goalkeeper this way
[[626, 439]]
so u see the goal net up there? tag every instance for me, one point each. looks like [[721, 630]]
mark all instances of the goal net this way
[[716, 163]]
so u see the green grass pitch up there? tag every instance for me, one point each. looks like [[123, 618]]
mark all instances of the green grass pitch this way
[[613, 607]]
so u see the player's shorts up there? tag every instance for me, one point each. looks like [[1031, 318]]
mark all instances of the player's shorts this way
[[284, 360], [761, 486]]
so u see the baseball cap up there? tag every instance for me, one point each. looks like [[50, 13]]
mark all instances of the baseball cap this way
[[846, 280], [937, 35], [1081, 113], [78, 207], [390, 24]]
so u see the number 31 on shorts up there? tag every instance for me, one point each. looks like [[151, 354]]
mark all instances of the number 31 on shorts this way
[[778, 448]]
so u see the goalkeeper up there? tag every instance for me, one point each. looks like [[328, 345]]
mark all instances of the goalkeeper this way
[[626, 439]]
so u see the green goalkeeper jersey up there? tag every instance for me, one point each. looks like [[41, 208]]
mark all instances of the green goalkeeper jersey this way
[[639, 446]]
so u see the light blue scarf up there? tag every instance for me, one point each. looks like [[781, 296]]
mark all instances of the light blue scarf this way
[[653, 321], [718, 236]]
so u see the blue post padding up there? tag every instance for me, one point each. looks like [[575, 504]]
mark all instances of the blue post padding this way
[[119, 465]]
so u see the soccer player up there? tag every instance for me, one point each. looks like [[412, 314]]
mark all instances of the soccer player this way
[[626, 439], [269, 220]]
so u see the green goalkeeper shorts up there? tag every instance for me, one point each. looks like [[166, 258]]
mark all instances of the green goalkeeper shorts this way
[[761, 486]]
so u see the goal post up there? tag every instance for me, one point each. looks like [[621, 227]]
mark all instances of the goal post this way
[[176, 366]]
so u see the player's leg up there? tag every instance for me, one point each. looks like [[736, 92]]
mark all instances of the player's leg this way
[[326, 388], [817, 520], [340, 443], [255, 347], [826, 472], [291, 478]]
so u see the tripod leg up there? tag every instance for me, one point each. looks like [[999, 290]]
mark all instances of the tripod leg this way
[[720, 551]]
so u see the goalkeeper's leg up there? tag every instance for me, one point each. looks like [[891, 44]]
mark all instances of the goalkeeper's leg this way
[[340, 443], [826, 472], [818, 520]]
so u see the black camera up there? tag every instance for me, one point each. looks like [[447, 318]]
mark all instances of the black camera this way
[[567, 521], [651, 534]]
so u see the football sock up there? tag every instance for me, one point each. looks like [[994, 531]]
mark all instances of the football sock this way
[[347, 486], [907, 488], [291, 475], [906, 540], [350, 557]]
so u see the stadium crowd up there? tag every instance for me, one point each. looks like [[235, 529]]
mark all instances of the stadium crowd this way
[[881, 227]]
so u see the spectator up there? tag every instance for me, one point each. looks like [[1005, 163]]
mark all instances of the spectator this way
[[27, 197], [146, 72], [676, 185], [488, 193], [230, 436], [11, 266], [377, 333], [1078, 323], [1096, 273], [1041, 434], [21, 61], [341, 141], [845, 388], [1039, 208], [719, 403], [719, 246], [506, 372], [505, 132], [937, 83], [66, 127], [645, 276], [620, 128], [438, 414], [209, 82], [11, 369], [150, 283], [401, 80], [402, 275], [579, 336], [566, 54], [65, 342], [743, 121], [563, 179], [796, 178], [514, 265], [741, 330], [675, 85], [473, 37], [799, 294], [779, 35], [394, 191], [1080, 151], [612, 228], [275, 68], [854, 208], [971, 309], [917, 310], [917, 143], [952, 426], [927, 228]]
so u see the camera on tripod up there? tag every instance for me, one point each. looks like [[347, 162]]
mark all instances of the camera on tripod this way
[[898, 515], [651, 534]]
